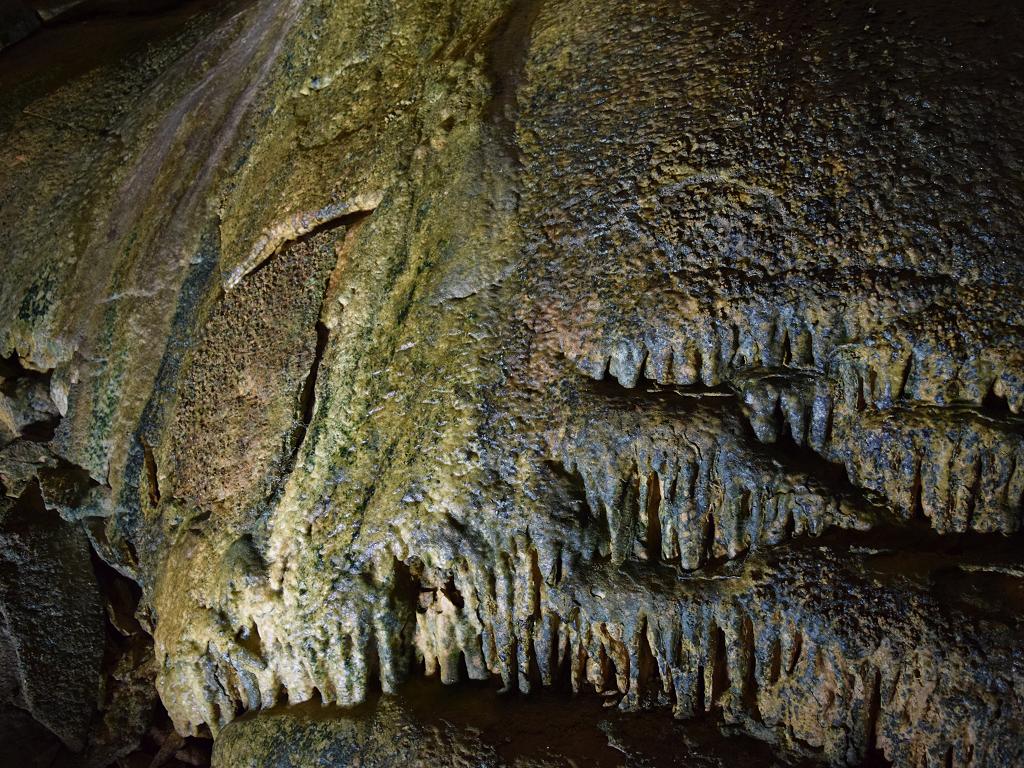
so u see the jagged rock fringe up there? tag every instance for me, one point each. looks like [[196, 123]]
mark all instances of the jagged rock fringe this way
[[891, 441], [669, 350], [775, 654], [916, 366], [692, 487]]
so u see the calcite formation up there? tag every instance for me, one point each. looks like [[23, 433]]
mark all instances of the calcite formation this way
[[668, 351]]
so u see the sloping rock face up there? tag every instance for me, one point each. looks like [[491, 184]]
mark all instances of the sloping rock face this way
[[466, 726], [52, 619], [672, 351]]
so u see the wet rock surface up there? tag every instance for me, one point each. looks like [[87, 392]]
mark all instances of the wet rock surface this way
[[666, 353], [427, 724]]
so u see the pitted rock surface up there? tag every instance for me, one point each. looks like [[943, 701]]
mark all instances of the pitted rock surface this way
[[670, 352]]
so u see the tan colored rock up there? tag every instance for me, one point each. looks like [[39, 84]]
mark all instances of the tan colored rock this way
[[672, 351]]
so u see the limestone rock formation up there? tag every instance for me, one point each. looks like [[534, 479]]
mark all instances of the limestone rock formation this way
[[472, 727], [671, 353], [52, 618]]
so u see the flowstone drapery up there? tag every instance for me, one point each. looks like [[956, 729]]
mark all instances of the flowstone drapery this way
[[671, 351]]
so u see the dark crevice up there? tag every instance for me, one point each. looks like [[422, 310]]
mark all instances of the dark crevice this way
[[453, 594], [560, 666], [997, 406], [248, 638], [12, 368], [905, 379], [917, 492], [31, 387], [873, 754], [720, 665], [536, 579], [861, 402], [775, 662], [307, 400], [608, 670], [152, 479], [700, 705], [673, 398], [41, 431], [749, 653], [789, 529], [66, 485], [533, 671], [161, 738], [345, 222], [307, 396], [508, 48], [195, 523], [121, 596], [795, 651], [648, 679], [574, 491], [628, 501], [374, 686], [127, 644], [462, 669], [306, 405], [653, 542], [405, 593]]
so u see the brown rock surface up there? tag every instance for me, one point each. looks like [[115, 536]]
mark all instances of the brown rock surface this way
[[670, 350]]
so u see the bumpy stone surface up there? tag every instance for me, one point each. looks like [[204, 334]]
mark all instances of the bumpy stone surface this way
[[669, 350], [52, 616], [431, 727]]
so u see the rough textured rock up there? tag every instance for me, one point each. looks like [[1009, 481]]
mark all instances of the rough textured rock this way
[[430, 727], [669, 350], [52, 617]]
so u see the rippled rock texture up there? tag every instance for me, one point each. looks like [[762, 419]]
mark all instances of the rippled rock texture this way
[[669, 351]]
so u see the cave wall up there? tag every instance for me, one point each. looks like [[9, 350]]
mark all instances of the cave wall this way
[[667, 350]]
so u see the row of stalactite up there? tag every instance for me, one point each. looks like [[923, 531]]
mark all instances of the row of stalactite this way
[[957, 468], [891, 440], [690, 493], [534, 611], [757, 656], [272, 654], [765, 664], [880, 372]]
